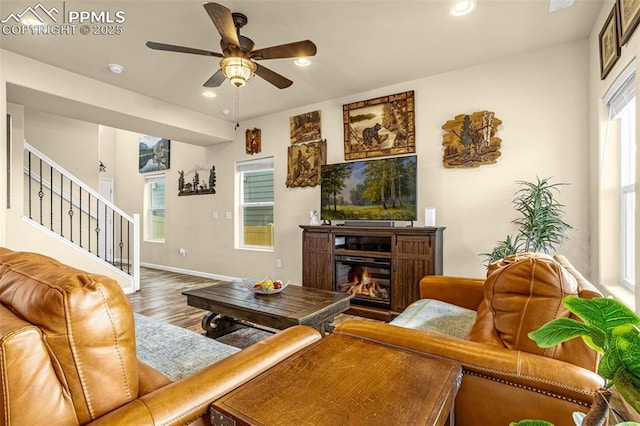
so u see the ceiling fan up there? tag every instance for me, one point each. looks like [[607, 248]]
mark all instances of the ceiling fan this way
[[239, 53]]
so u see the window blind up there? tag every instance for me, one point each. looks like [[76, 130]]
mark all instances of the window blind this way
[[621, 91], [255, 165]]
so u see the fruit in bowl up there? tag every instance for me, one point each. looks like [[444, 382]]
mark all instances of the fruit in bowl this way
[[265, 286]]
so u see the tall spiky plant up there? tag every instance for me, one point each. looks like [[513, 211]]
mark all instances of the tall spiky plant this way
[[540, 227]]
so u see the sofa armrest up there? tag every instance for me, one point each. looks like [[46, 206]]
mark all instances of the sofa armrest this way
[[464, 292], [499, 385], [187, 399]]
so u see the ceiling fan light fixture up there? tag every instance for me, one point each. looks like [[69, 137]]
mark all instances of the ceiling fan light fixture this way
[[463, 7], [238, 70]]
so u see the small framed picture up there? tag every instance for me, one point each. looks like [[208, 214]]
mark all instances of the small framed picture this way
[[154, 154], [628, 18], [609, 46]]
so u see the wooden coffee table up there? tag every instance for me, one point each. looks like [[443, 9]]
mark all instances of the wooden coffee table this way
[[345, 380], [232, 305]]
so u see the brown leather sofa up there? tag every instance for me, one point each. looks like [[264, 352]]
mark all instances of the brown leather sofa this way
[[68, 354], [506, 377]]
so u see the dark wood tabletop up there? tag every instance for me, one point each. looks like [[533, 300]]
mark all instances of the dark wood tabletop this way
[[294, 305], [343, 380]]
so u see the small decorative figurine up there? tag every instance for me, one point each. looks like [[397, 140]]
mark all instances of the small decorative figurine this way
[[315, 219]]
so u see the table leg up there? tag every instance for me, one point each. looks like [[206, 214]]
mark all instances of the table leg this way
[[216, 325]]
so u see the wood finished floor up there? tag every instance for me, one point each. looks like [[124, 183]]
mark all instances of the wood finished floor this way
[[160, 297]]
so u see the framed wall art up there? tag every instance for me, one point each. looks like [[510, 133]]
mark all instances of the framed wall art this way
[[154, 154], [379, 127], [305, 127], [253, 141], [609, 45], [629, 16], [303, 163], [470, 140]]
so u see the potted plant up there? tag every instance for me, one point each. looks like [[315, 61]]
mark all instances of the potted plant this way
[[540, 227], [613, 330]]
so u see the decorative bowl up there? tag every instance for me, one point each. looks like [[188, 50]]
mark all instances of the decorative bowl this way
[[265, 285]]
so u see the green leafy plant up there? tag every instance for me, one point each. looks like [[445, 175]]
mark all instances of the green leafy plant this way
[[540, 225], [611, 329]]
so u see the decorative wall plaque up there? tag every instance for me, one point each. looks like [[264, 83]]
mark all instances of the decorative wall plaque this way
[[305, 127], [253, 141], [303, 163], [379, 127], [470, 140]]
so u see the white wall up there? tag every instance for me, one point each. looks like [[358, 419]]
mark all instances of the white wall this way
[[71, 143], [541, 97]]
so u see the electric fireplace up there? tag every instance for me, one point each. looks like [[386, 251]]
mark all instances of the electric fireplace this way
[[367, 278]]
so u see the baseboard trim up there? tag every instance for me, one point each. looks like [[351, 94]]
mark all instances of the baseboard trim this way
[[189, 272]]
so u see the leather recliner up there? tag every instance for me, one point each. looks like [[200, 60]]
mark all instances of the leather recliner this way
[[68, 354], [506, 376]]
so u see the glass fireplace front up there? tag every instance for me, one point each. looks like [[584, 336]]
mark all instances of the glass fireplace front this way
[[367, 278]]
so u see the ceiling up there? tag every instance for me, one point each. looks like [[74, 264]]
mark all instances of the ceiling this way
[[362, 45]]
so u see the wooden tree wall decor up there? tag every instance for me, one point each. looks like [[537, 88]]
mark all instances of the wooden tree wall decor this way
[[253, 141], [303, 163], [196, 186], [470, 141]]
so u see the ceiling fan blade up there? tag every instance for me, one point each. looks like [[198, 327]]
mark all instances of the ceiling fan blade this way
[[273, 77], [289, 50], [222, 19], [215, 80], [172, 48]]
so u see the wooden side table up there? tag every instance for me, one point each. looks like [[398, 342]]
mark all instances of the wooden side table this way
[[344, 380]]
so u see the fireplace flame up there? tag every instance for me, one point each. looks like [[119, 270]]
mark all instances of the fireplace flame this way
[[362, 283]]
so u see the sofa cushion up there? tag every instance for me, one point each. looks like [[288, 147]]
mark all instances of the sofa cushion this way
[[437, 317], [86, 323], [523, 293]]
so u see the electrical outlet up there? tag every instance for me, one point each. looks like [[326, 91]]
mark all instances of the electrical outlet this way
[[227, 215], [278, 263], [214, 215]]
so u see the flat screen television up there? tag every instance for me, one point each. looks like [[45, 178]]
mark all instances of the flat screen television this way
[[367, 190]]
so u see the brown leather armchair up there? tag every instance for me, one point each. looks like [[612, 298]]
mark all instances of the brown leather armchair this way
[[68, 354], [506, 377]]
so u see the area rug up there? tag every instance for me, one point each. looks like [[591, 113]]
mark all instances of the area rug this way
[[175, 351]]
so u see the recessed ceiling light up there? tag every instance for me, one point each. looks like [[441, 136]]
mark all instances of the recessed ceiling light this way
[[116, 68], [463, 7], [208, 94], [226, 111], [302, 62]]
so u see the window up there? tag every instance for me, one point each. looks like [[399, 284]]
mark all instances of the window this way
[[627, 193], [621, 99], [255, 185], [155, 207]]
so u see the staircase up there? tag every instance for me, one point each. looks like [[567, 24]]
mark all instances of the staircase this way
[[67, 209]]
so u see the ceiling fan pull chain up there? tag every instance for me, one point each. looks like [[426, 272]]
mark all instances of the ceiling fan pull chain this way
[[237, 108]]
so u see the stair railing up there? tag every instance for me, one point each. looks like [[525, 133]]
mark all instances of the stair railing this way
[[58, 201]]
